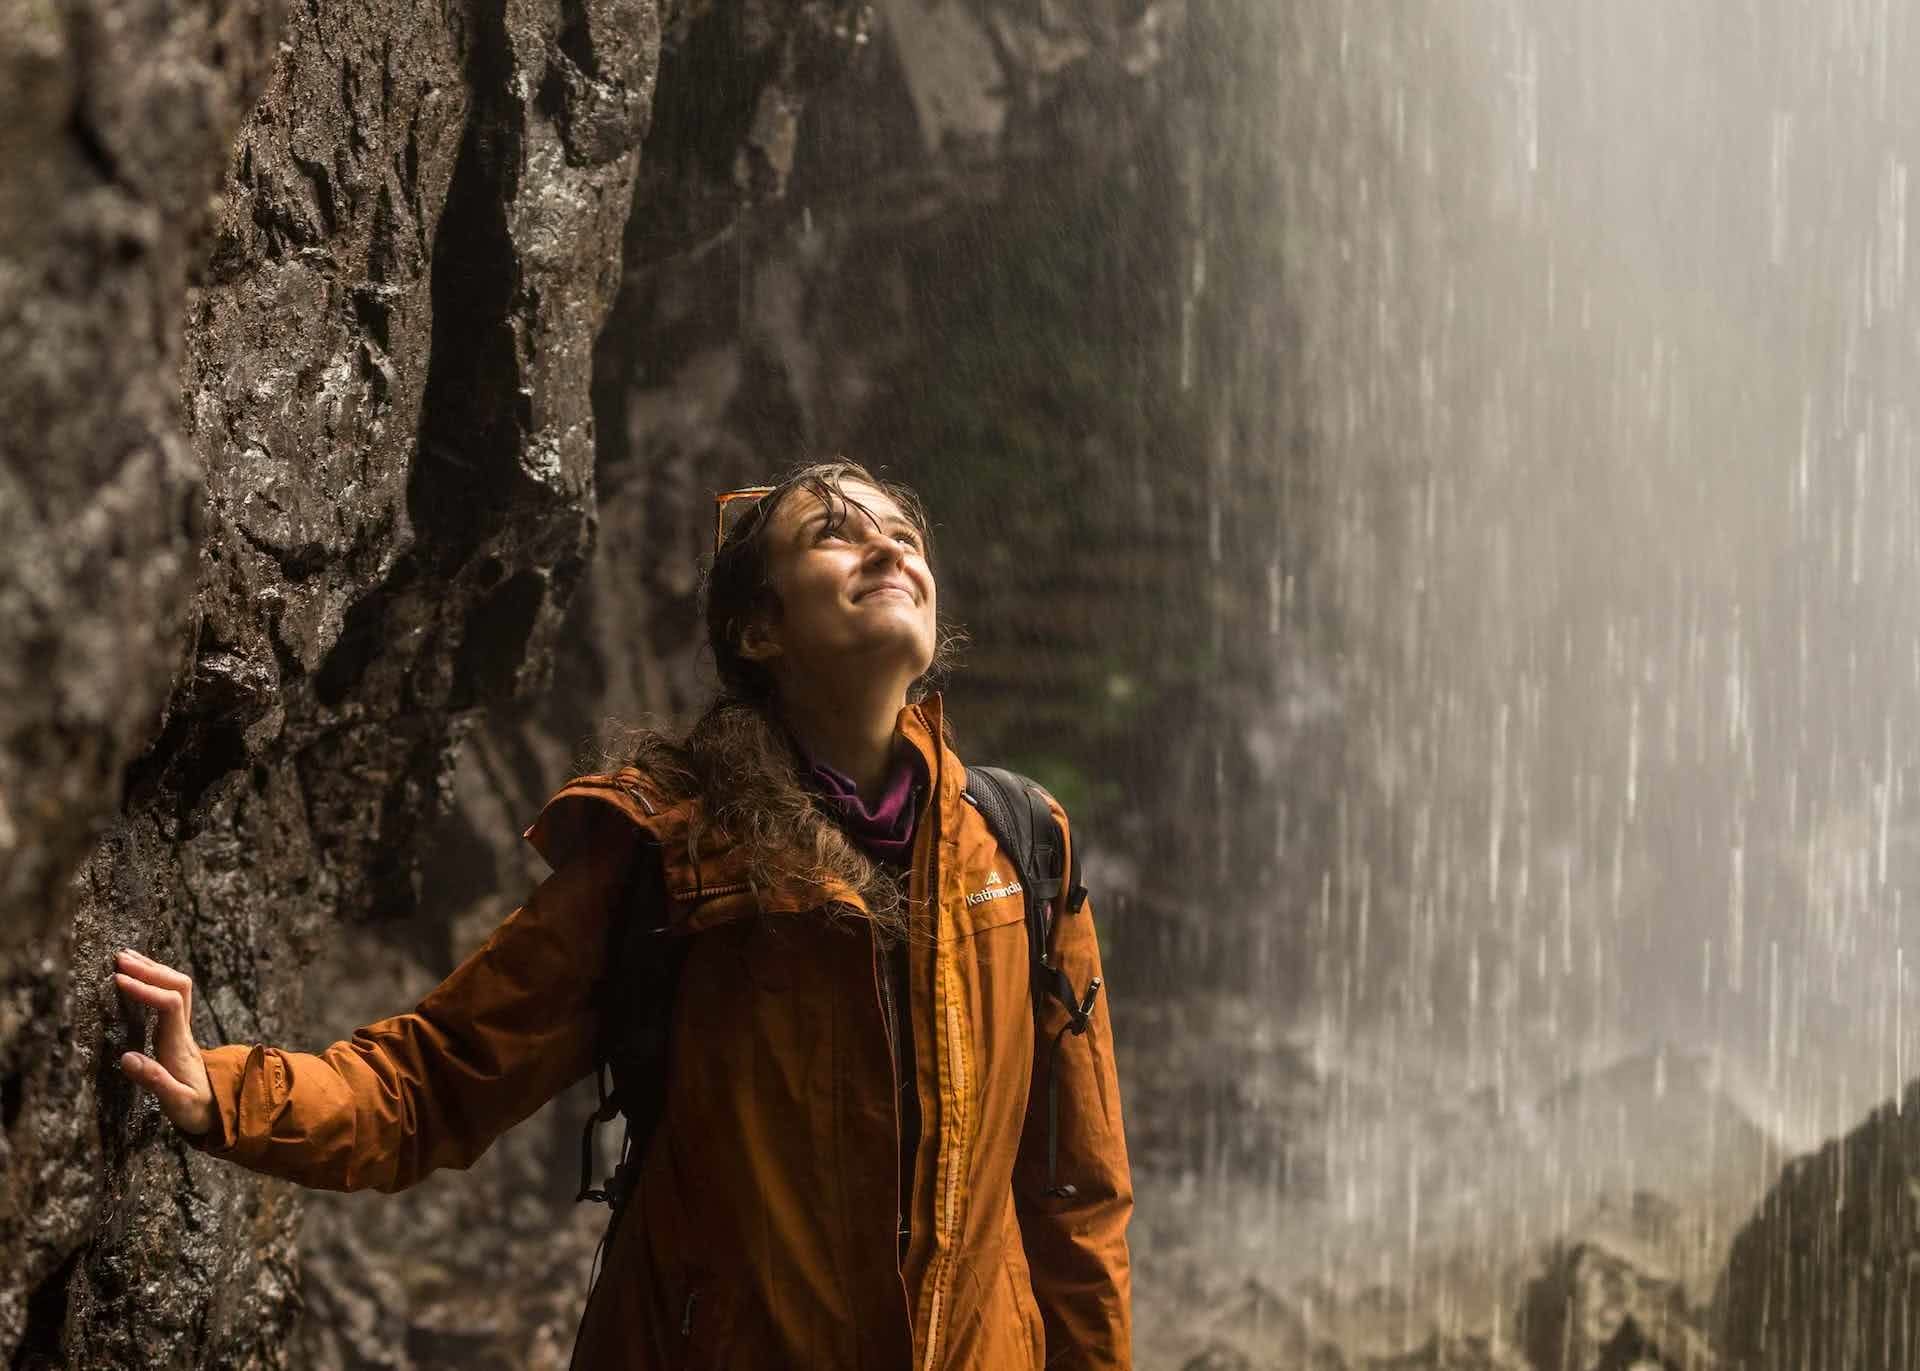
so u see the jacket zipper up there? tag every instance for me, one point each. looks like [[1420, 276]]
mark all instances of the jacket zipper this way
[[951, 1153], [708, 892]]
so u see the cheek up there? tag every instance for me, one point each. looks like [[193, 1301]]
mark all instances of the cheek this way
[[821, 615], [805, 606], [929, 594]]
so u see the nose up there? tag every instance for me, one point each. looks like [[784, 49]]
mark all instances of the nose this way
[[879, 548]]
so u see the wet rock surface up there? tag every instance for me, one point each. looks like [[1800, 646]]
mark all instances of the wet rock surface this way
[[1827, 1273], [1589, 1305], [117, 121], [300, 316]]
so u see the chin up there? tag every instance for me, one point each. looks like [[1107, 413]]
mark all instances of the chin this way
[[914, 656], [883, 646]]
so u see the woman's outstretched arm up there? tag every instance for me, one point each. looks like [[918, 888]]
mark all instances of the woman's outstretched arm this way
[[512, 1026]]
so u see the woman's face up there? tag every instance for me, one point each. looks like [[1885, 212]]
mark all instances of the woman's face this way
[[853, 589]]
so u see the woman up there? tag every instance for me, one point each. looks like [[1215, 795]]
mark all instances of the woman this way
[[851, 1164]]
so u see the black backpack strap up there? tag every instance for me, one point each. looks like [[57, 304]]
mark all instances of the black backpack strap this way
[[636, 996], [1023, 823]]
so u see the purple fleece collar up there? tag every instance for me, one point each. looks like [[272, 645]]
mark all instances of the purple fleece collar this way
[[886, 829]]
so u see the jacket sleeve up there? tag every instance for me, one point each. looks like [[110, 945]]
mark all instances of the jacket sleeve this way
[[512, 1026], [1077, 1246]]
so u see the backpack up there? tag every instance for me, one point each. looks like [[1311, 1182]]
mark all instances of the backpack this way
[[645, 965]]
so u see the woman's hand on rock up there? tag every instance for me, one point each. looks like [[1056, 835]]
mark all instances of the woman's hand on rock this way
[[175, 1075]]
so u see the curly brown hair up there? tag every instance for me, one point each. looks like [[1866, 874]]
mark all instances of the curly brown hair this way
[[737, 758]]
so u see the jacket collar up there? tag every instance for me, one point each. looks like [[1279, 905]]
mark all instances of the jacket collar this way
[[694, 880], [922, 728]]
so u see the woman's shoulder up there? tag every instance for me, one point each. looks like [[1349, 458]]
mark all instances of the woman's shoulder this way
[[628, 799]]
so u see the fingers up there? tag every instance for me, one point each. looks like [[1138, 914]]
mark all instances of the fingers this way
[[144, 981], [175, 1075], [154, 973], [153, 996], [160, 987], [144, 1070], [184, 1107]]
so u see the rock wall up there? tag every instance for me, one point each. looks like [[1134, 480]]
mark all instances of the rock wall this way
[[117, 121], [310, 480]]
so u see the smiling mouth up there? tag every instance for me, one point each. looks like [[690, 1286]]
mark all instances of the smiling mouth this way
[[883, 590]]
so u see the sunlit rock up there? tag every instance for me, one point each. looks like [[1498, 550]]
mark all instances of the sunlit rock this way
[[1596, 1309]]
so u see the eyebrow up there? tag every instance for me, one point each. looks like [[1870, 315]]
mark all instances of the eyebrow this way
[[847, 512]]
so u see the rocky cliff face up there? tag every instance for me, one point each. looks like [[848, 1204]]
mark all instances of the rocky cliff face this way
[[300, 471], [336, 517], [1825, 1274], [118, 121]]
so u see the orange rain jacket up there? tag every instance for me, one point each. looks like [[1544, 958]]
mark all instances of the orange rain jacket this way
[[761, 1232]]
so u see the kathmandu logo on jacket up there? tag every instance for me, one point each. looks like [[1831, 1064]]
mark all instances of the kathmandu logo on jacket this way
[[994, 891]]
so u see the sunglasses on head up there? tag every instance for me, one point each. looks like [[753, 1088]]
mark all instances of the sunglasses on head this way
[[729, 506]]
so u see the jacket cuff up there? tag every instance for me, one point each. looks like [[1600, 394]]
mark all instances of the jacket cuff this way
[[226, 1066]]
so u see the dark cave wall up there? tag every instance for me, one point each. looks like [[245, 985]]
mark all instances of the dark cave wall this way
[[114, 125], [314, 447]]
